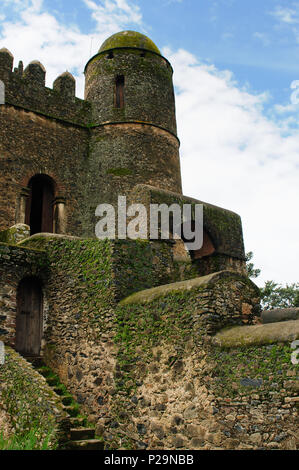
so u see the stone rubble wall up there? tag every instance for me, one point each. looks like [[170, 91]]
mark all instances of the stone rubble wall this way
[[145, 370], [15, 264], [178, 390], [28, 400]]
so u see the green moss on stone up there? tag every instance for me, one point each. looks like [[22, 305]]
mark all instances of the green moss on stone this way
[[129, 39], [119, 171], [269, 333]]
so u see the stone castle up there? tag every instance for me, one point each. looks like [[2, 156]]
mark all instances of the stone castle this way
[[129, 326]]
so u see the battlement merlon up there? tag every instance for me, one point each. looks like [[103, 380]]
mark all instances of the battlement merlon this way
[[26, 89]]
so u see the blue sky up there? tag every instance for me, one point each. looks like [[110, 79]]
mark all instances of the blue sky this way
[[234, 62]]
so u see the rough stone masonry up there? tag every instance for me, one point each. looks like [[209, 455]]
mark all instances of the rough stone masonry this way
[[130, 326]]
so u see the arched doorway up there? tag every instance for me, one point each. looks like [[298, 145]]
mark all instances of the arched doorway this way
[[207, 248], [29, 317], [39, 208]]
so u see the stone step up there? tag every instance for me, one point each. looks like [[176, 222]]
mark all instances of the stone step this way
[[58, 391], [45, 371], [77, 422], [36, 361], [71, 410], [78, 434], [89, 444], [67, 399], [52, 381]]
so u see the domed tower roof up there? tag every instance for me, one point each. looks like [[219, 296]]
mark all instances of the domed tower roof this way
[[130, 39]]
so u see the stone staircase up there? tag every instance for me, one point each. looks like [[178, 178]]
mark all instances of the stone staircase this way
[[81, 436]]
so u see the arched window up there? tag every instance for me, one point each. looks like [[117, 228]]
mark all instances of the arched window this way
[[29, 319], [120, 91], [39, 209], [207, 249]]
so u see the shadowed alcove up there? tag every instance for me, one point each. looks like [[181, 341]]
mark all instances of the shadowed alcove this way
[[39, 207]]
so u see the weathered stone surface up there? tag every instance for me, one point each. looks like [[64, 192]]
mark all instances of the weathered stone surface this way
[[279, 314], [258, 334], [28, 400]]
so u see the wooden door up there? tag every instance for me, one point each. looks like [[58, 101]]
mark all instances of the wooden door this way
[[29, 317]]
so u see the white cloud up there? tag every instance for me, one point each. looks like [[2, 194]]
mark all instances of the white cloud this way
[[262, 37], [113, 15], [38, 35], [289, 15], [234, 157], [232, 154]]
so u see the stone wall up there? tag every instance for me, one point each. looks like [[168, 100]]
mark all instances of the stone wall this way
[[29, 401], [223, 227], [15, 264], [25, 89], [146, 370], [34, 144], [149, 95], [176, 390], [85, 280]]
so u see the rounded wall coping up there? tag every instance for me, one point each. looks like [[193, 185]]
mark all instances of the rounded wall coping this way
[[246, 336], [280, 314], [47, 236], [140, 123], [127, 48], [129, 38], [149, 295]]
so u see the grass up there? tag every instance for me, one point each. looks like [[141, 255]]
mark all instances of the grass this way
[[28, 441]]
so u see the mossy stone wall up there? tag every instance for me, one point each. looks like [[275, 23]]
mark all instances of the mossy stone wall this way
[[15, 264], [30, 402], [176, 390]]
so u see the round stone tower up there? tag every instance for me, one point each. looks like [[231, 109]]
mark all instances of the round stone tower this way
[[133, 129]]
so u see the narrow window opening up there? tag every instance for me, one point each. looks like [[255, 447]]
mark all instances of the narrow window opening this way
[[120, 91], [142, 54], [110, 55]]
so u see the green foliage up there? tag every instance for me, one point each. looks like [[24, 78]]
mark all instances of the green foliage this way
[[269, 364], [275, 295], [30, 405], [120, 171], [252, 271], [31, 440]]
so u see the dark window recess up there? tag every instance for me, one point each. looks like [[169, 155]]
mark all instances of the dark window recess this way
[[110, 55], [120, 91]]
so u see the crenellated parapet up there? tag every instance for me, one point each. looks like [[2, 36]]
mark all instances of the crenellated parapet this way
[[25, 88]]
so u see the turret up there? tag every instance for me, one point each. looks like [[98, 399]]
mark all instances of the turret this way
[[35, 73], [6, 63], [134, 140], [66, 85]]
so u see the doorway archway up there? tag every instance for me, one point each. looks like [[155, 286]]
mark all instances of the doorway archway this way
[[39, 209], [29, 319]]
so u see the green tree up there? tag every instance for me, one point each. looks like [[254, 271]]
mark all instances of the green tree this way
[[252, 271], [274, 295]]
